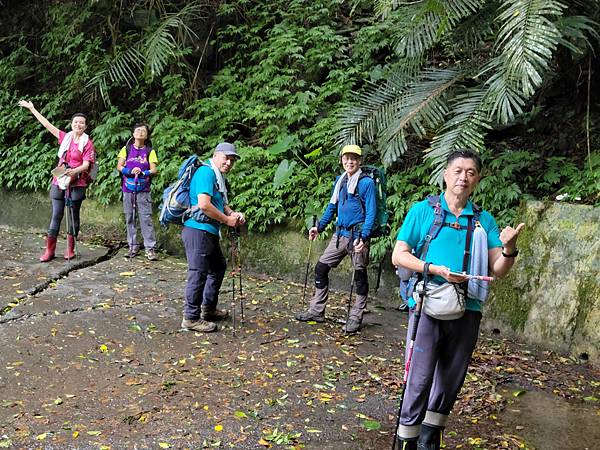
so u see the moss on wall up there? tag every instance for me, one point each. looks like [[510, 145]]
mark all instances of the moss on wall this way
[[552, 295]]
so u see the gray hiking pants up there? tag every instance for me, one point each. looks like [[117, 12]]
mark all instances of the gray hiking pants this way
[[140, 205], [441, 356], [332, 256]]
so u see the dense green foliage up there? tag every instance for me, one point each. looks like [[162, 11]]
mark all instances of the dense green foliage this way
[[275, 77], [464, 66]]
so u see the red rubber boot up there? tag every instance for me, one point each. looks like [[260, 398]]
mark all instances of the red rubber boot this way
[[50, 249], [70, 251]]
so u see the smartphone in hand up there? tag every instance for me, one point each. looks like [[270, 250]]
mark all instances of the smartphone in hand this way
[[458, 274]]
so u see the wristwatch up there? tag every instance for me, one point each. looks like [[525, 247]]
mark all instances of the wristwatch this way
[[511, 255]]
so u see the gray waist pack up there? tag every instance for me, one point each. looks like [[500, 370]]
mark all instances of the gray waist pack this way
[[442, 301]]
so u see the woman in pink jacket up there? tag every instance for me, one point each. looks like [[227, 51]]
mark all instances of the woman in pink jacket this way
[[76, 155]]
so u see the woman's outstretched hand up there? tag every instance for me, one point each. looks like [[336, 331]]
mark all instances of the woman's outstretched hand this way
[[26, 104]]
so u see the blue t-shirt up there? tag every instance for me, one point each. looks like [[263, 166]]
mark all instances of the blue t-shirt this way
[[447, 249], [204, 181]]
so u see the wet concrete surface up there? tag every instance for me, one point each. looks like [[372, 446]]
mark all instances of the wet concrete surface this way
[[550, 422], [93, 358]]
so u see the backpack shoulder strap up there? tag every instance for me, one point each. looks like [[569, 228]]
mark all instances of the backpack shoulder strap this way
[[200, 163], [469, 237], [128, 146], [477, 210], [436, 225]]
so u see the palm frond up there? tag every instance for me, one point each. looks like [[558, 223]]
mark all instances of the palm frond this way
[[153, 54], [466, 128], [159, 47], [473, 30], [383, 8], [431, 21], [123, 69], [576, 31], [506, 100], [423, 108], [162, 44], [527, 40], [374, 107]]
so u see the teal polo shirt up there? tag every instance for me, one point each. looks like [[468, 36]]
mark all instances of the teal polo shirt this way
[[447, 249], [204, 181]]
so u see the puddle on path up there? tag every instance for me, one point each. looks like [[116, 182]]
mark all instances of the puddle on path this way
[[548, 422]]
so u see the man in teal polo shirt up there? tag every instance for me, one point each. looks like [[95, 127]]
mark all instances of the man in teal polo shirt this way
[[443, 348], [200, 235]]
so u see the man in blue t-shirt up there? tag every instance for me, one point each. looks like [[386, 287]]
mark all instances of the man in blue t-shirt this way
[[206, 263], [354, 200], [443, 348]]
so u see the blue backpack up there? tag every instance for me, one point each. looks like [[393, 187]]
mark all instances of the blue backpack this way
[[408, 279], [176, 198]]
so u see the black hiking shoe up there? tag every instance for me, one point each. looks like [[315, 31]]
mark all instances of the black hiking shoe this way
[[309, 316], [402, 444], [430, 438], [352, 326]]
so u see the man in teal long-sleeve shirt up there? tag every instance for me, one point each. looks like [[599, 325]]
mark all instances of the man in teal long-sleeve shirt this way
[[354, 200]]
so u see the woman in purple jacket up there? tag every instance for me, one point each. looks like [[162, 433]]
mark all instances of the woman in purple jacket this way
[[137, 163]]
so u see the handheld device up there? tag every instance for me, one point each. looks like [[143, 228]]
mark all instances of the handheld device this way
[[459, 274], [474, 277]]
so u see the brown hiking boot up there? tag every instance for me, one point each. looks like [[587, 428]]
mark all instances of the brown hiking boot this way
[[214, 314], [198, 325]]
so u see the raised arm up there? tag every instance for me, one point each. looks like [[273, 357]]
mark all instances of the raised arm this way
[[29, 105]]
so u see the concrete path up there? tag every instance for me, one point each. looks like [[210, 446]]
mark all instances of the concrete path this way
[[93, 357]]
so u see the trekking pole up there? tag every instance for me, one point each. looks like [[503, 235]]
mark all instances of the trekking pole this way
[[67, 210], [314, 224], [134, 209], [379, 270], [232, 252], [71, 220], [233, 301], [411, 345], [239, 268], [351, 285]]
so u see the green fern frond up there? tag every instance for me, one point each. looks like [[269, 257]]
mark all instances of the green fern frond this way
[[374, 108], [431, 21], [153, 53], [527, 40], [423, 109], [576, 31], [506, 100], [465, 129], [162, 44], [383, 8], [473, 30], [123, 69]]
